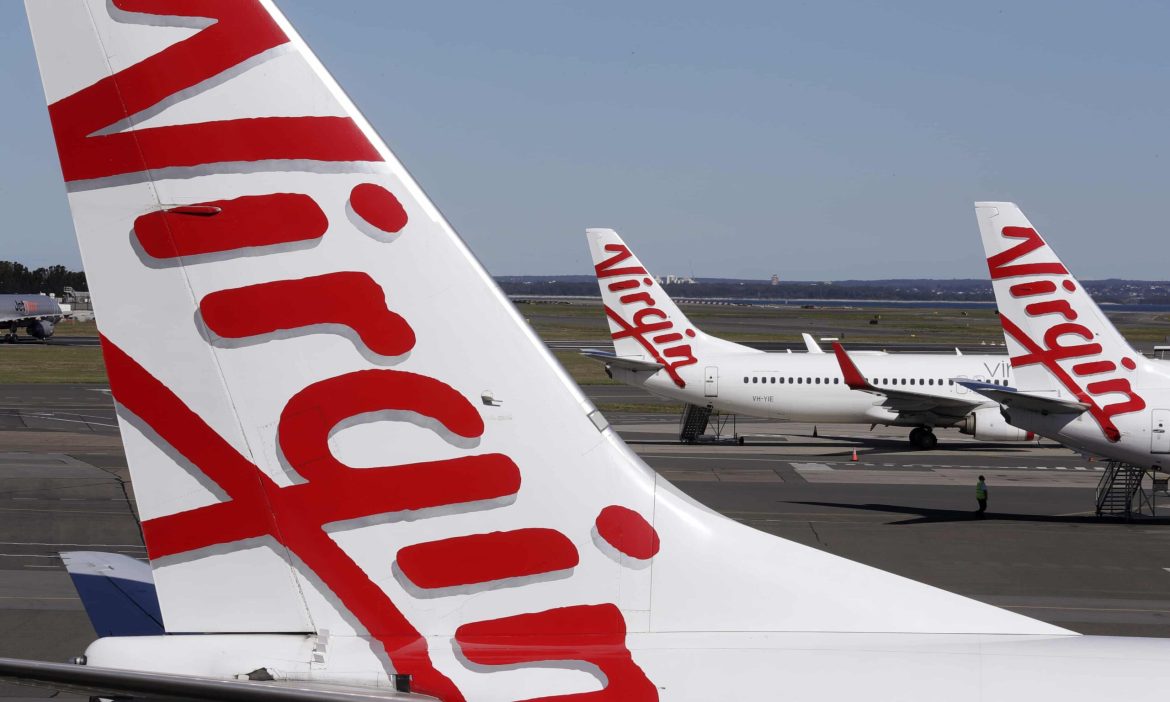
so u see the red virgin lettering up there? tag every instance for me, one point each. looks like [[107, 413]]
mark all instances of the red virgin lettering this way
[[644, 323], [998, 264], [242, 30], [486, 558], [592, 634], [1059, 340], [348, 299], [606, 269], [230, 225]]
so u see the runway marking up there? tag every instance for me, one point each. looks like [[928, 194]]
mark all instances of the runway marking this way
[[811, 467], [74, 421], [1087, 609], [25, 597]]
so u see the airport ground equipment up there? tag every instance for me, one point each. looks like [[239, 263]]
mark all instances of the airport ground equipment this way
[[693, 423], [1121, 492]]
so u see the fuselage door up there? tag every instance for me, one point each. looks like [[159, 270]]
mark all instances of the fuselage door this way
[[711, 382], [1159, 431]]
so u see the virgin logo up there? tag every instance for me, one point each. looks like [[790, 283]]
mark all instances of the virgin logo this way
[[329, 492], [646, 324], [1047, 298]]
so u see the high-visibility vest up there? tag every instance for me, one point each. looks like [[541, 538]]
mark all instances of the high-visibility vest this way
[[980, 491]]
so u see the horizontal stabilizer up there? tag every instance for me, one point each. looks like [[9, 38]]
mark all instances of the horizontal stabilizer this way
[[117, 592], [114, 683], [634, 364], [1012, 398]]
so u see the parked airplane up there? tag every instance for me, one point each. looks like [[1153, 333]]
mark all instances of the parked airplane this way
[[407, 488], [1077, 380], [38, 315], [659, 350]]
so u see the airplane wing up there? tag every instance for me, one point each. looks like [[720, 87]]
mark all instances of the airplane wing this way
[[114, 683], [634, 364], [899, 400], [810, 344], [1011, 397]]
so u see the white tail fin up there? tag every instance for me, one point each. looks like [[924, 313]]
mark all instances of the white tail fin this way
[[643, 321], [334, 420], [810, 344], [1059, 340]]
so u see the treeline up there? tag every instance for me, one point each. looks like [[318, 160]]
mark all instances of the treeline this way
[[974, 290], [16, 278]]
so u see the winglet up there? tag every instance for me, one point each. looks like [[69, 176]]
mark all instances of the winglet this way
[[853, 377], [810, 344]]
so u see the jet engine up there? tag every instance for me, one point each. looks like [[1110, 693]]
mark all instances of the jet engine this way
[[40, 329], [988, 424]]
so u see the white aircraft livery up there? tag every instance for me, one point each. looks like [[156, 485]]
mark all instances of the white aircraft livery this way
[[658, 349], [342, 499], [1077, 380]]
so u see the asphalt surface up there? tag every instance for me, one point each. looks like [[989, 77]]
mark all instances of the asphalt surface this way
[[1040, 551]]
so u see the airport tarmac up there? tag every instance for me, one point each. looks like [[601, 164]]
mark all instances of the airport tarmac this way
[[1040, 551]]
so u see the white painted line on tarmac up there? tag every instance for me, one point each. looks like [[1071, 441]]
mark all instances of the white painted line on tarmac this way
[[811, 467], [73, 421]]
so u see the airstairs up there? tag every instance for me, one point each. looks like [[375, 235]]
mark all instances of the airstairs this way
[[696, 420], [1121, 493], [694, 423]]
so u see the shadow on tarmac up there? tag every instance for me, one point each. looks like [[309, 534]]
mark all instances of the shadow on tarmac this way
[[926, 515]]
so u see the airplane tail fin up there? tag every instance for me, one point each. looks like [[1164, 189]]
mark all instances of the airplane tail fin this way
[[644, 322], [341, 433], [1059, 340]]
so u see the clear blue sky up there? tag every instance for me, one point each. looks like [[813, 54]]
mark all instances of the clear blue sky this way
[[819, 140]]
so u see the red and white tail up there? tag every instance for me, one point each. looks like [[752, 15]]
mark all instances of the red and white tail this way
[[336, 424], [643, 321], [1059, 340]]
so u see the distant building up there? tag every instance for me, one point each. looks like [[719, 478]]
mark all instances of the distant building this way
[[675, 280], [775, 279]]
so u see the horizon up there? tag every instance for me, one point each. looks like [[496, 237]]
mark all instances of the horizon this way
[[827, 141]]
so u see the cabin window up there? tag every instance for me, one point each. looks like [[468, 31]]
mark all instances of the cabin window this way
[[950, 382], [755, 379], [745, 379], [930, 381], [911, 381], [799, 381], [773, 380], [818, 381], [836, 381], [903, 381], [790, 380]]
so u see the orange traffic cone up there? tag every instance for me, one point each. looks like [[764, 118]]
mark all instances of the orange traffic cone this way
[[854, 455]]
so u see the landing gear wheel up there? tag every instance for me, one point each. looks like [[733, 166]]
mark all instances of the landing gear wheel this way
[[923, 438]]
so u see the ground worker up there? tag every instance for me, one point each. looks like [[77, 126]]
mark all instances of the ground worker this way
[[981, 496]]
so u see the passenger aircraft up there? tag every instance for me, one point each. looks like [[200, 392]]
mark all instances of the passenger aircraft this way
[[1077, 380], [335, 497], [658, 349], [38, 315]]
